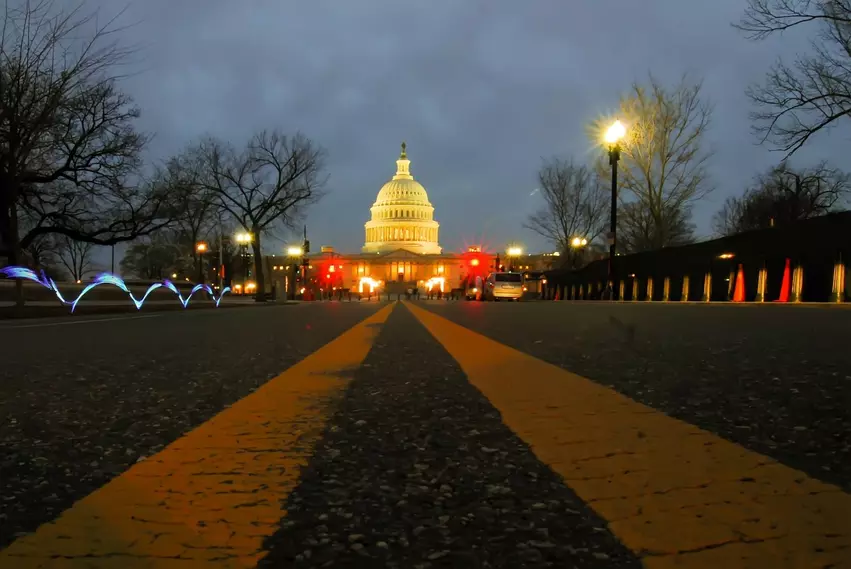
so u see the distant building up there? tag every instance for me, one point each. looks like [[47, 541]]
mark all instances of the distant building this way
[[401, 250], [401, 247]]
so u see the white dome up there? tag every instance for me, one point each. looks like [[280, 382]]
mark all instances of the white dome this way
[[407, 191], [402, 217]]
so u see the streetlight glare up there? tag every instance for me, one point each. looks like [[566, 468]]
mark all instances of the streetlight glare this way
[[615, 132], [295, 251], [515, 251], [201, 247], [243, 238]]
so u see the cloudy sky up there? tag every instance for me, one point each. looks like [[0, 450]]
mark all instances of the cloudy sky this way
[[480, 89]]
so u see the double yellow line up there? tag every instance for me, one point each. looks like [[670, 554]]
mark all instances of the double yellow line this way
[[210, 498], [674, 494]]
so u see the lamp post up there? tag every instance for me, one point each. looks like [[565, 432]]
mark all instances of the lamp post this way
[[295, 254], [513, 252], [243, 239], [577, 244], [201, 248], [613, 137]]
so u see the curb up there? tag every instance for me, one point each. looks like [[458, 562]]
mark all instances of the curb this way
[[12, 313]]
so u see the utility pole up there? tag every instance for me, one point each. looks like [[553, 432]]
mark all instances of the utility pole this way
[[305, 263], [221, 256]]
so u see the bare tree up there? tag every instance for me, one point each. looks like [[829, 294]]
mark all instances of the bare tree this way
[[200, 205], [75, 256], [269, 182], [798, 100], [663, 161], [41, 252], [783, 195], [575, 205], [69, 154], [639, 230], [158, 256]]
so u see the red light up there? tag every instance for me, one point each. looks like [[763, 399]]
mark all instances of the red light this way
[[331, 268], [327, 276], [475, 262]]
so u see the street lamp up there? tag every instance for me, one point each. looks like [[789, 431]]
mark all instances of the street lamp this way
[[243, 239], [614, 135], [578, 242], [294, 253], [513, 252], [201, 248]]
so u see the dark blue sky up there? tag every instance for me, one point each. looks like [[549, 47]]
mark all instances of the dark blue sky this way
[[480, 90]]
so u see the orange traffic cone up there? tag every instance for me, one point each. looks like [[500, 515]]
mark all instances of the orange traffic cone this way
[[739, 292], [558, 293], [786, 286]]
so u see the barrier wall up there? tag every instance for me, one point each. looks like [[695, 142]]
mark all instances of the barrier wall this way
[[811, 257]]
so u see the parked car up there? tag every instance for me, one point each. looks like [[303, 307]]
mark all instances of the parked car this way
[[508, 286]]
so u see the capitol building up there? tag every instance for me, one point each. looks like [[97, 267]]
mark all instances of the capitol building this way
[[401, 245]]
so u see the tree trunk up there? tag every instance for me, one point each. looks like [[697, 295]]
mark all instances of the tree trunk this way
[[15, 252], [259, 277]]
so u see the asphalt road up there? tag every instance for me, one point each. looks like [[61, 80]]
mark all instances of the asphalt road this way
[[415, 466], [775, 379], [83, 399]]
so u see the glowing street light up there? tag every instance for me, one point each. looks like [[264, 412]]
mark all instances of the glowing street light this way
[[614, 134], [243, 239], [577, 242], [201, 248], [513, 252], [293, 252]]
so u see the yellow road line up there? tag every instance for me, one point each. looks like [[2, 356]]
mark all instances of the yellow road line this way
[[210, 498], [674, 494]]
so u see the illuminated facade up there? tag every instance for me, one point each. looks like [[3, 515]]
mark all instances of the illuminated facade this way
[[401, 247]]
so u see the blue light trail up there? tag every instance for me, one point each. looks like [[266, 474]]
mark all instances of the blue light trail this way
[[106, 278]]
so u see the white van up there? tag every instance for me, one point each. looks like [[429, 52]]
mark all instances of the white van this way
[[507, 286]]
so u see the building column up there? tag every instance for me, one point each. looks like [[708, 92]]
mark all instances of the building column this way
[[797, 284], [684, 294], [666, 289], [761, 280], [572, 292], [621, 288], [635, 289], [707, 287], [649, 296], [838, 291]]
